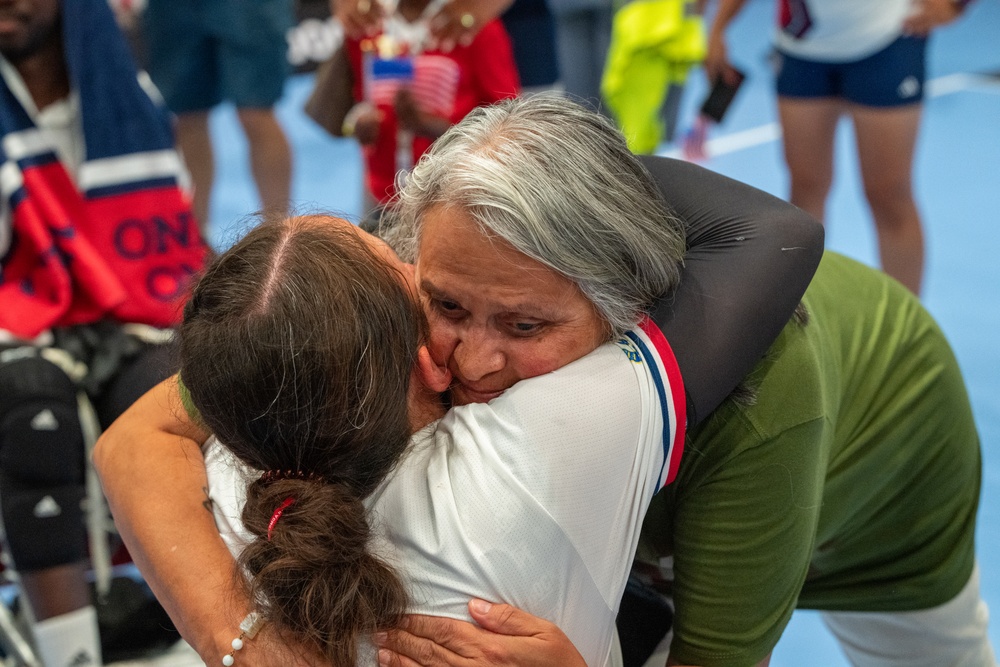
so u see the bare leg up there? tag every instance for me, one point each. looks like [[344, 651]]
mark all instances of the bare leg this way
[[809, 127], [196, 145], [886, 141], [270, 158], [66, 628], [56, 591]]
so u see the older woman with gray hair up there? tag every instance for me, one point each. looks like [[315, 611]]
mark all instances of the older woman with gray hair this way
[[536, 236], [556, 182]]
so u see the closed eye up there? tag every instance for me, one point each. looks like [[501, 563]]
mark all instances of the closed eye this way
[[447, 308], [525, 328]]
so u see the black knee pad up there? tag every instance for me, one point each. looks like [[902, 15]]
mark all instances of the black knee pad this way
[[41, 465]]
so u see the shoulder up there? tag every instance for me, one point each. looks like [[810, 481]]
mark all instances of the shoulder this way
[[620, 402]]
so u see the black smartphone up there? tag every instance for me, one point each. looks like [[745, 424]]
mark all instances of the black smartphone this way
[[721, 96]]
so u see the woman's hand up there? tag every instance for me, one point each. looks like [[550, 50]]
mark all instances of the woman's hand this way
[[362, 122], [458, 21], [716, 62], [505, 637], [411, 117], [360, 18]]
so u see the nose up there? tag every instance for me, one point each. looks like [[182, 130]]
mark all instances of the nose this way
[[477, 355]]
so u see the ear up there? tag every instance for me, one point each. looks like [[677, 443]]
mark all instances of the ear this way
[[434, 377]]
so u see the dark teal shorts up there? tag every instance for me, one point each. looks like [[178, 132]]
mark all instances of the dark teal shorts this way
[[891, 77], [203, 52]]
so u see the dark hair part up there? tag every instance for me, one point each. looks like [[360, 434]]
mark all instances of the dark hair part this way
[[297, 347]]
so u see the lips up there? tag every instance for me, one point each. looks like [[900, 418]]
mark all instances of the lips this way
[[463, 394], [12, 15]]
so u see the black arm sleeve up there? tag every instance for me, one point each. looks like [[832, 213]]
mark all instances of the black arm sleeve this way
[[750, 257]]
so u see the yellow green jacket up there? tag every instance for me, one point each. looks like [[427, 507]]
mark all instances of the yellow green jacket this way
[[653, 45]]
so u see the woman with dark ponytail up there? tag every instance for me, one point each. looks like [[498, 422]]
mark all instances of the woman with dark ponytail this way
[[296, 349]]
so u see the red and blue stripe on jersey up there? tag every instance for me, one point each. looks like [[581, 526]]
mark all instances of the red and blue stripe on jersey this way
[[666, 376]]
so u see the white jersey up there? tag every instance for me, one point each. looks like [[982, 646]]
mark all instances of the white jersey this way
[[535, 499], [839, 30]]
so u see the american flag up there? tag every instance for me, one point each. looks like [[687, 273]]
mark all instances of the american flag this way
[[386, 76], [432, 79], [435, 81]]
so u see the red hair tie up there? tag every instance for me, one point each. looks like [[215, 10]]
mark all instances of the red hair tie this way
[[288, 502]]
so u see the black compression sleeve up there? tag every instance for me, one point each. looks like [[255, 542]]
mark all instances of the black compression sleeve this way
[[750, 257]]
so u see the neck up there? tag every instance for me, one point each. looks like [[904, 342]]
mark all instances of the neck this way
[[44, 73], [412, 9]]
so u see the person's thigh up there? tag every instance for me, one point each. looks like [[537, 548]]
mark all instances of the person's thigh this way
[[809, 107], [951, 634], [809, 127], [181, 56], [884, 92], [805, 79], [886, 140], [253, 62]]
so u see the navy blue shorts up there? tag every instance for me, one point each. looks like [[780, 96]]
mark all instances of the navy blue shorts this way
[[203, 52], [891, 77]]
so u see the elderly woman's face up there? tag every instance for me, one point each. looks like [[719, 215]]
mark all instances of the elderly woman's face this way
[[496, 315]]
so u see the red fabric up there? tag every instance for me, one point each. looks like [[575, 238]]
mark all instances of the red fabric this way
[[676, 397], [127, 257], [487, 74], [784, 13]]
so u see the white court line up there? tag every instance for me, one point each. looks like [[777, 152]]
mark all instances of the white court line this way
[[765, 134]]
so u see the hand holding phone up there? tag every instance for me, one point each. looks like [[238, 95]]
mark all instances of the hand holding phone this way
[[721, 95]]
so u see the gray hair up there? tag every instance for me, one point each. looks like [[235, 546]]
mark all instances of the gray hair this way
[[558, 183]]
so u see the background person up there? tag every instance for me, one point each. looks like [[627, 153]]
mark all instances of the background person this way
[[197, 606], [97, 243], [396, 121], [205, 52], [867, 61], [452, 23], [583, 35]]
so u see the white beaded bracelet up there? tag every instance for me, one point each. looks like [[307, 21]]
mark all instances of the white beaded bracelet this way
[[249, 627]]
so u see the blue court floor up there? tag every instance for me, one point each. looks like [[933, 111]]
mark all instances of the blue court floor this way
[[958, 188]]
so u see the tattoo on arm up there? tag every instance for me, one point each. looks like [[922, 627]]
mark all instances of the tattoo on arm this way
[[208, 503]]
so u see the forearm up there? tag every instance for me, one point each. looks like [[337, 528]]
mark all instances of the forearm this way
[[724, 15], [151, 466]]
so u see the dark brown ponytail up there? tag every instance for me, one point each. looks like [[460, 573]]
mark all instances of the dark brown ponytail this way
[[316, 575]]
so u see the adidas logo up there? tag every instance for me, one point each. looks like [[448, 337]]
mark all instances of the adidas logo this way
[[48, 507], [44, 421], [908, 87], [80, 659]]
